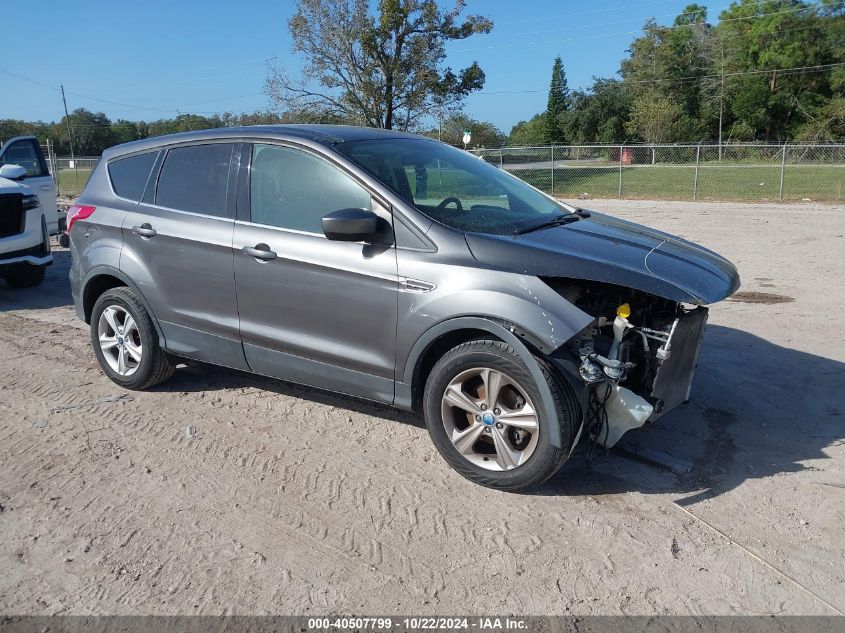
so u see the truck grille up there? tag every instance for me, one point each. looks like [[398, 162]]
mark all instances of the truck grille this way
[[673, 381], [11, 215]]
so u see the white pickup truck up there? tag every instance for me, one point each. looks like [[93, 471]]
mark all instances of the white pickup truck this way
[[26, 152], [27, 213]]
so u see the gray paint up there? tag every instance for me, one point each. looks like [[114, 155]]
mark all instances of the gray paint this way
[[356, 318]]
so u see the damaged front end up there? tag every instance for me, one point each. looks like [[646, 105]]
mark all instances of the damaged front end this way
[[637, 358]]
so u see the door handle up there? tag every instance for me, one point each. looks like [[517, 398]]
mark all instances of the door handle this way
[[46, 187], [145, 230], [259, 251]]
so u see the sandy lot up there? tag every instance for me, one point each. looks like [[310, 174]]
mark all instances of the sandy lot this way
[[285, 499]]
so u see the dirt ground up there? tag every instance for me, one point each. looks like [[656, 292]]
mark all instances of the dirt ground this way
[[223, 493]]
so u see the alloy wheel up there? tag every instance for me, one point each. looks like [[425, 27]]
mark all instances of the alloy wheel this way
[[490, 419], [120, 340]]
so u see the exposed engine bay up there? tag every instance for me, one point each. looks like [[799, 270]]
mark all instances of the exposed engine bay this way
[[638, 356]]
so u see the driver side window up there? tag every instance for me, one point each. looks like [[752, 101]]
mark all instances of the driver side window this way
[[293, 189], [26, 154]]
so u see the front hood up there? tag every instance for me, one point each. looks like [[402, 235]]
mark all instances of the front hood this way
[[10, 186], [610, 250]]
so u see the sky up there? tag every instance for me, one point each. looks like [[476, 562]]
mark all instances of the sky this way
[[156, 59]]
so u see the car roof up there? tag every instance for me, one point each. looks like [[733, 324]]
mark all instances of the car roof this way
[[322, 134]]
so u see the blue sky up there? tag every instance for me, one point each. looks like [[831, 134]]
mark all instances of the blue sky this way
[[154, 59]]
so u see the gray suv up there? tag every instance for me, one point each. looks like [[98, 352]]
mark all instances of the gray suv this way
[[394, 268]]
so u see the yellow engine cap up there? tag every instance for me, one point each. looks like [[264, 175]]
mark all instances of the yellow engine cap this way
[[623, 311]]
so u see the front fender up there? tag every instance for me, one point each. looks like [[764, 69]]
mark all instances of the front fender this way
[[403, 389], [520, 310]]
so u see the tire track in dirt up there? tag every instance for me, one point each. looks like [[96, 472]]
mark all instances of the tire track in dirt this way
[[350, 519]]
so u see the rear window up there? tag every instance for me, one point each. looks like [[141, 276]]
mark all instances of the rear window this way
[[195, 179], [129, 175]]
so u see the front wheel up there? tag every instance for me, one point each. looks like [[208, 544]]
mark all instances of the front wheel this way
[[485, 415], [24, 275]]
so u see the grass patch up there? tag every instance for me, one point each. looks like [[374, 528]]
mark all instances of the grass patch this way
[[72, 181], [677, 182]]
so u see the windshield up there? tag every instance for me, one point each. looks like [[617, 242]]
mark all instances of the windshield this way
[[453, 187]]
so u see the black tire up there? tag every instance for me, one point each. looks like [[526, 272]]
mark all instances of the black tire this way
[[546, 458], [155, 366], [24, 275]]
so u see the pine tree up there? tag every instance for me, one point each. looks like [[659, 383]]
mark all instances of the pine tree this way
[[558, 102]]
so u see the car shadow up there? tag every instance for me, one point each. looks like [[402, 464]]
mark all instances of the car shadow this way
[[195, 376], [53, 292], [757, 410]]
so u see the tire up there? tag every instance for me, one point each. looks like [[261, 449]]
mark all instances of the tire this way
[[528, 456], [109, 317], [24, 275]]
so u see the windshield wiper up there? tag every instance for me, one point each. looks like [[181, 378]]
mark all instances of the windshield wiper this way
[[558, 220]]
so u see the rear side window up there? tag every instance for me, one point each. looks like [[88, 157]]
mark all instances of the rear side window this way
[[129, 175], [196, 179]]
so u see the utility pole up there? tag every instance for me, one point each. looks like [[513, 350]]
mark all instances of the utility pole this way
[[67, 120]]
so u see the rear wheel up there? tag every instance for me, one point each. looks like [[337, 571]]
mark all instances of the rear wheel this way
[[125, 341], [24, 275], [485, 415]]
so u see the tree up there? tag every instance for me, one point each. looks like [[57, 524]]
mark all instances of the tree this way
[[672, 59], [655, 119], [558, 103], [384, 69], [92, 133], [532, 132], [761, 41], [599, 115], [484, 133]]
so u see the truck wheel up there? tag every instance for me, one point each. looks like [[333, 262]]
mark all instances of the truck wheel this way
[[24, 275], [125, 341], [484, 413]]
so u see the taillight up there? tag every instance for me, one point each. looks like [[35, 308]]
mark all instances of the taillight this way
[[78, 212]]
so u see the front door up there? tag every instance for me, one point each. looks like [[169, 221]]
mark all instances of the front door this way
[[26, 152], [178, 248], [313, 311]]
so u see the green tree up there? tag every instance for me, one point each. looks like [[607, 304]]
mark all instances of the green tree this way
[[124, 131], [484, 133], [382, 69], [655, 119], [764, 39], [673, 60], [531, 132], [92, 133], [598, 115], [558, 103]]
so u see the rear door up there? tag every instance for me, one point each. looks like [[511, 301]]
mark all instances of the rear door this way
[[178, 249], [26, 152], [313, 311]]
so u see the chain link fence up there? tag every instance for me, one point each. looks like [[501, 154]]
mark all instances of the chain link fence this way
[[71, 174], [749, 172]]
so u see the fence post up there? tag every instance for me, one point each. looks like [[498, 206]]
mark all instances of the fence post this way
[[501, 158], [621, 150], [782, 167], [553, 169], [697, 160]]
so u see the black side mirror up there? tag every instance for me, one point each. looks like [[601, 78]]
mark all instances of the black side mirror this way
[[351, 225]]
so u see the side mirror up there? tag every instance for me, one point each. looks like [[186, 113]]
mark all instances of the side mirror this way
[[351, 225], [12, 172]]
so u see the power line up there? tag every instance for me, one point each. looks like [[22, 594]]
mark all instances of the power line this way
[[605, 35]]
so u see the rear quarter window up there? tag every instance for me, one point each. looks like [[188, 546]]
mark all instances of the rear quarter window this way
[[129, 175]]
